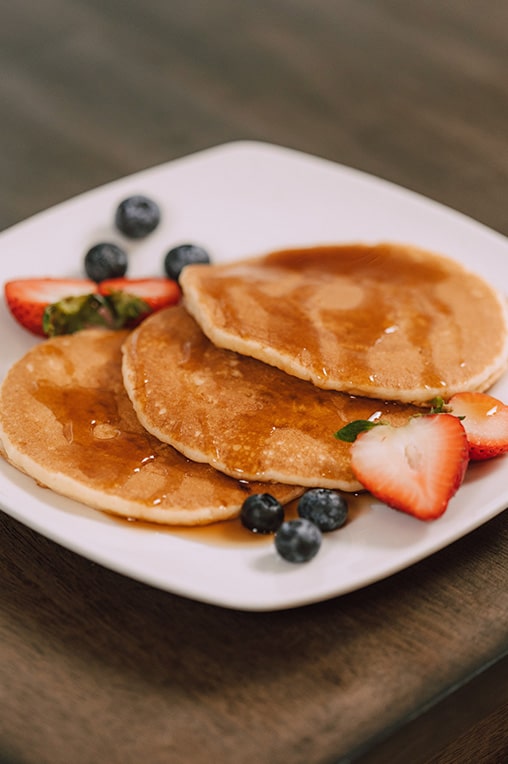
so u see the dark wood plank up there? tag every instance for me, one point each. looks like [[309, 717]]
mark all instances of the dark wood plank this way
[[96, 667], [156, 675], [413, 93]]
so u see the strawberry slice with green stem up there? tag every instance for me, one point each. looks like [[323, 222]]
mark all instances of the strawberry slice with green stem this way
[[27, 299], [485, 420], [415, 468], [157, 293], [52, 306]]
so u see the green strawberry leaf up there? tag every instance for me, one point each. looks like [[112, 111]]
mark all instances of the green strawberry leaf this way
[[350, 432], [112, 311], [127, 307]]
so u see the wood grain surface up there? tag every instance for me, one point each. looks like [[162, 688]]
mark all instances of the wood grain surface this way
[[95, 667]]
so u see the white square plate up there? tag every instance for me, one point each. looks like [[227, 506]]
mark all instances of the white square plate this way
[[237, 200]]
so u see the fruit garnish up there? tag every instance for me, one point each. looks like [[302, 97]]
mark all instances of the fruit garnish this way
[[182, 255], [261, 513], [415, 468], [72, 314], [50, 306], [350, 432], [157, 293], [325, 508], [485, 420], [137, 216], [298, 540], [105, 261], [27, 299]]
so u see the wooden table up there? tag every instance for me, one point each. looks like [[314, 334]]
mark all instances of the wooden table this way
[[96, 667]]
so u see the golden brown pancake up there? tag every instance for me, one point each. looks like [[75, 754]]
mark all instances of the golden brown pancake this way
[[66, 420], [386, 321], [240, 415]]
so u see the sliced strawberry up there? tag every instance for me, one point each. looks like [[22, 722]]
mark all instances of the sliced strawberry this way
[[156, 292], [485, 420], [27, 299], [415, 468]]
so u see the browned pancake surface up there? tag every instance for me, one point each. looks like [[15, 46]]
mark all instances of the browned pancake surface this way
[[242, 416], [386, 321], [66, 420]]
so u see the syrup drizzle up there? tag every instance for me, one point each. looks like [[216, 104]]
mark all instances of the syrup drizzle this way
[[368, 317]]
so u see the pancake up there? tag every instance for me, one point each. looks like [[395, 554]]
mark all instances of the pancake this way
[[239, 415], [386, 321], [66, 420]]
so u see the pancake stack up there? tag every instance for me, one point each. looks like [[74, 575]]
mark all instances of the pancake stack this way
[[241, 388]]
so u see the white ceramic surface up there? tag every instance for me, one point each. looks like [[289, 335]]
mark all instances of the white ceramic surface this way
[[237, 200]]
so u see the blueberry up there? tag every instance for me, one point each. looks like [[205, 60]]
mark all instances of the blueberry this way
[[262, 513], [137, 216], [298, 540], [326, 509], [185, 254], [105, 261]]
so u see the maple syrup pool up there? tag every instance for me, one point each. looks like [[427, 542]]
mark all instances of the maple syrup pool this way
[[232, 532]]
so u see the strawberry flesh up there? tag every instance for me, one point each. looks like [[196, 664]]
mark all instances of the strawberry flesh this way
[[485, 420], [415, 468], [157, 293]]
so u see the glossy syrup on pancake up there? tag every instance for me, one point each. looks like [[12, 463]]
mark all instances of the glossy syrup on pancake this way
[[243, 417], [385, 321], [66, 420]]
